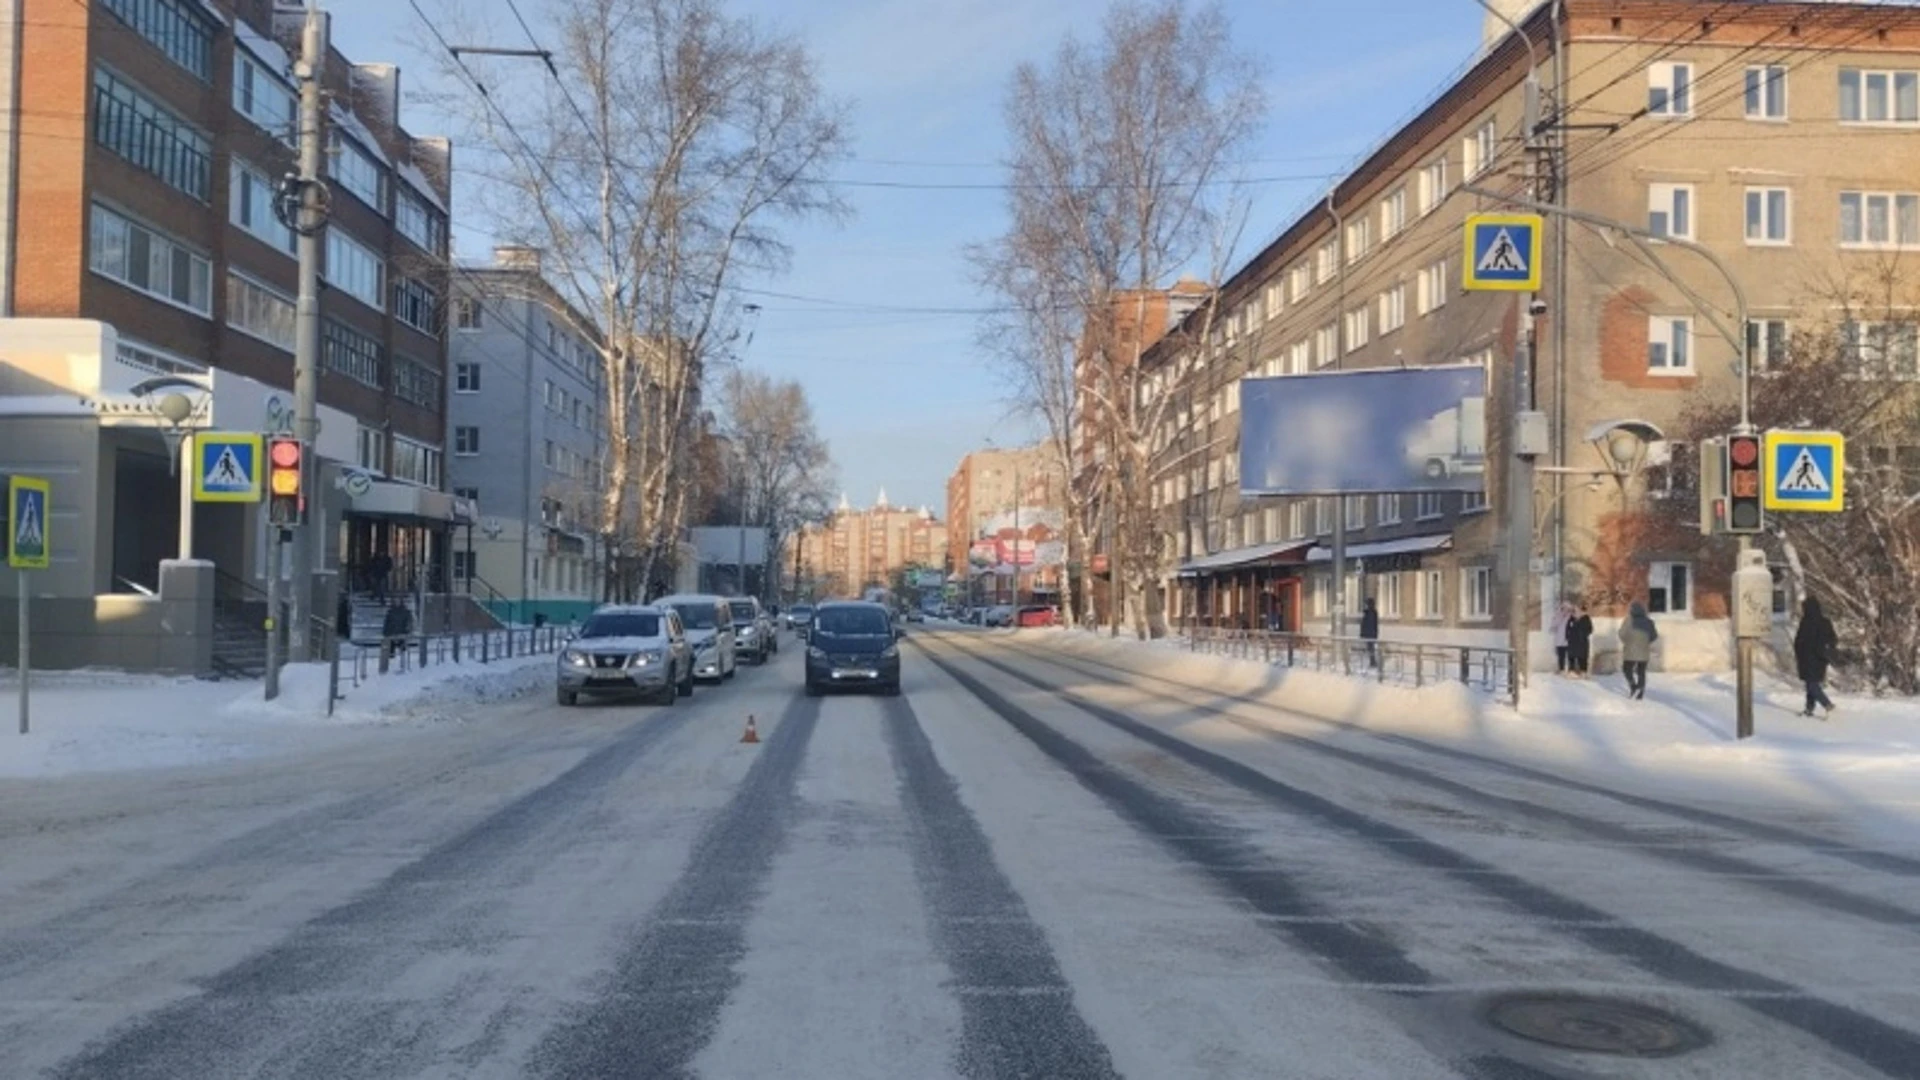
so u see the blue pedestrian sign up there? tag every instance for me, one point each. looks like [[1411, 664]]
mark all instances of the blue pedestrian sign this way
[[1503, 252], [27, 505], [1806, 470], [226, 467]]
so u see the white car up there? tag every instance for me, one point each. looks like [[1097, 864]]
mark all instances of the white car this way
[[709, 623]]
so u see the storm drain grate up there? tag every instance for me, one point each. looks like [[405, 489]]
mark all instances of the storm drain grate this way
[[1596, 1025]]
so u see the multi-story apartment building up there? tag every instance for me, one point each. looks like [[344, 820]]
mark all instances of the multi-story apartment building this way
[[989, 484], [527, 440], [150, 137], [859, 549], [1780, 136]]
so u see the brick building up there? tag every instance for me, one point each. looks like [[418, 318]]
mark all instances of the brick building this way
[[855, 550], [1779, 135]]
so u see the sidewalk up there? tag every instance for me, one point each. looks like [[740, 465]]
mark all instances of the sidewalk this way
[[107, 721]]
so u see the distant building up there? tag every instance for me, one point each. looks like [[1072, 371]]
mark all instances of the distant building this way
[[1006, 509], [858, 549]]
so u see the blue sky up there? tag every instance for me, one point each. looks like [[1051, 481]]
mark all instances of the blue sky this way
[[901, 395]]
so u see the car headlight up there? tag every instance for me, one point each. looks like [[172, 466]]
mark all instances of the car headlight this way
[[815, 652], [575, 658], [891, 652], [642, 659], [745, 631]]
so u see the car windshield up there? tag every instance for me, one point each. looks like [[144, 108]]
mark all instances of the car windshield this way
[[696, 616], [628, 624], [802, 611], [852, 620], [742, 614]]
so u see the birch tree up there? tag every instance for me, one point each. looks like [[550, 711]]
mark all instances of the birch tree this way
[[1120, 170], [652, 154], [784, 471]]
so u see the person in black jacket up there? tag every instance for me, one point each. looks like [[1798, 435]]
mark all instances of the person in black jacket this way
[[1813, 646], [1579, 643], [1370, 632]]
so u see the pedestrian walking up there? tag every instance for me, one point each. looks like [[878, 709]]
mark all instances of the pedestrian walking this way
[[378, 569], [1370, 632], [1561, 618], [394, 631], [343, 616], [1637, 636], [1813, 648], [1579, 642]]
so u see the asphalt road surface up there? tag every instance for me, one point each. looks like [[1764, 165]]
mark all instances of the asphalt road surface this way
[[1029, 865]]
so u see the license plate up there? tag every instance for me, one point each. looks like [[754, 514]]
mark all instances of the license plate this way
[[610, 676], [855, 673]]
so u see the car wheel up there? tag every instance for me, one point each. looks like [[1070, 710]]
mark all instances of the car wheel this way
[[566, 697], [685, 689], [813, 688], [668, 694], [892, 689], [731, 669]]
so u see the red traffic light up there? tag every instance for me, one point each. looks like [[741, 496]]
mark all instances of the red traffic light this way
[[284, 454], [1744, 450]]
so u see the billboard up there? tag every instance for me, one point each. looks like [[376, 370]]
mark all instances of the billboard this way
[[730, 544], [1374, 430]]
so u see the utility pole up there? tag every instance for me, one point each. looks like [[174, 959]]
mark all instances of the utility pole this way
[[1339, 626], [306, 356]]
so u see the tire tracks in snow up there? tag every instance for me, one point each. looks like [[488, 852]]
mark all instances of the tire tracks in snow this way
[[1018, 1017], [1890, 1049]]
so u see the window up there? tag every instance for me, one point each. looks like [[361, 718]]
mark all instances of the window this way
[[1670, 588], [471, 494], [1393, 309], [373, 450], [263, 97], [1326, 343], [1297, 519], [1430, 598], [1433, 185], [463, 564], [1478, 150], [1670, 210], [1356, 328], [466, 441], [1669, 345], [1276, 296], [149, 262], [418, 221], [258, 311], [359, 172], [1393, 214], [1356, 512], [1322, 515], [1473, 502], [1768, 216], [1299, 280], [1388, 595], [1766, 343], [1325, 262], [1879, 97], [416, 305], [1300, 357], [466, 313], [1883, 348], [1359, 239], [1426, 505], [1322, 589], [1389, 511], [1430, 290], [152, 360], [466, 378], [1879, 219], [251, 197], [351, 353], [1476, 593], [416, 462], [1767, 92], [354, 269], [174, 27], [139, 129], [1669, 89], [416, 383]]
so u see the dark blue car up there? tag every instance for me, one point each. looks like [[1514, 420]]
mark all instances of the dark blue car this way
[[853, 643]]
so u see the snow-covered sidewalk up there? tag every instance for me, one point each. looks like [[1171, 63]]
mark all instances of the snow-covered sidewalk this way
[[105, 721], [1865, 760]]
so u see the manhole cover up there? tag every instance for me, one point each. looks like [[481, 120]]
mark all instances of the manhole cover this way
[[1596, 1025]]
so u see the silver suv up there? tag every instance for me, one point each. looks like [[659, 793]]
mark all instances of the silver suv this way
[[709, 623], [625, 649], [753, 629]]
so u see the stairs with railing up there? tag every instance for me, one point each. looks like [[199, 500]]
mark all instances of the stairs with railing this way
[[239, 621]]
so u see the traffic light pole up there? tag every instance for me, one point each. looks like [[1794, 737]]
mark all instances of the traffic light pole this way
[[306, 355]]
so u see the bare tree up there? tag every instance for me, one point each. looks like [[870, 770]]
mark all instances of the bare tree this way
[[651, 162], [1120, 161], [782, 465]]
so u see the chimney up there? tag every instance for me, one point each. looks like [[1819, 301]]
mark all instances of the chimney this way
[[517, 257]]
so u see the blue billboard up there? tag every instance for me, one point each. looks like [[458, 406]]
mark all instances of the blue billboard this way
[[1372, 430]]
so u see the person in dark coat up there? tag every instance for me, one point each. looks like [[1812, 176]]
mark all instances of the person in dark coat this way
[[1579, 642], [1813, 645], [379, 568], [343, 617], [1370, 632]]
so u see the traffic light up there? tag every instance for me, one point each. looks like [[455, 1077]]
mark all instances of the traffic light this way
[[286, 503], [1744, 513]]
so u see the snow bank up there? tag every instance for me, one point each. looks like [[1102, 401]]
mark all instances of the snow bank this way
[[104, 721]]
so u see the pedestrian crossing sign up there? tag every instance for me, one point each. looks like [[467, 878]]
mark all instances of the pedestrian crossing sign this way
[[27, 504], [1503, 252], [226, 467], [1805, 470]]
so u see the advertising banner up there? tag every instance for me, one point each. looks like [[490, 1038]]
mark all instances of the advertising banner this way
[[1374, 430]]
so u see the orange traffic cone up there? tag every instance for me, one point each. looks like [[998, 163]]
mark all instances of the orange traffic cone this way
[[753, 733]]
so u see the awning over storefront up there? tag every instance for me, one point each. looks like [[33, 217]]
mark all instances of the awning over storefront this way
[[1241, 558], [1385, 550], [403, 502]]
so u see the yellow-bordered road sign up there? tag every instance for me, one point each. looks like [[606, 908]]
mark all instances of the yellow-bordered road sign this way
[[1806, 470], [226, 467], [1503, 252], [28, 501]]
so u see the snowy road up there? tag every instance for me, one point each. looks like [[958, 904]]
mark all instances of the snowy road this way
[[1030, 865]]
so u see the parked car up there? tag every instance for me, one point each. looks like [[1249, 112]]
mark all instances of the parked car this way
[[798, 616], [853, 643], [1038, 615], [915, 615], [624, 649], [709, 623], [998, 615], [752, 629]]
